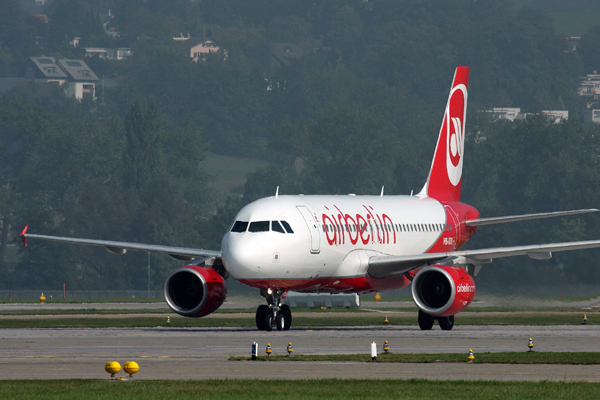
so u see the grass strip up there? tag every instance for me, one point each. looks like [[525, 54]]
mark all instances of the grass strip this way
[[464, 319], [329, 389], [525, 357], [132, 322], [85, 301], [96, 311]]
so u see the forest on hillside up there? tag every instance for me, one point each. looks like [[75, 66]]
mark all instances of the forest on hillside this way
[[360, 110]]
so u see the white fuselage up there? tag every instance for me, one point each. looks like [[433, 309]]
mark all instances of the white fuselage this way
[[333, 238]]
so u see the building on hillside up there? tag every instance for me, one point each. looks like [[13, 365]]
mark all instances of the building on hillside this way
[[75, 42], [75, 76], [556, 115], [106, 53], [591, 116], [507, 113], [46, 69], [198, 49], [513, 114], [590, 86]]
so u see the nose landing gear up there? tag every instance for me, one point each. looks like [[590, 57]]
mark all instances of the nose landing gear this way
[[274, 314]]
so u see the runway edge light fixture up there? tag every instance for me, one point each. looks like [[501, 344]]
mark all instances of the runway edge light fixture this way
[[471, 357], [112, 367], [131, 367]]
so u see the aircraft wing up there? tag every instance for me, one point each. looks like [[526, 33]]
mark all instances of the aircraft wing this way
[[179, 253], [384, 266], [513, 218]]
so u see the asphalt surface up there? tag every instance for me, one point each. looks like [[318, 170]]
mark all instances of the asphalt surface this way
[[203, 353]]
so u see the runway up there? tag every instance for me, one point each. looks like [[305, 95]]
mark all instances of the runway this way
[[203, 353]]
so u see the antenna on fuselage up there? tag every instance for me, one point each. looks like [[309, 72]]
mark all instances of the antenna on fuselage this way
[[381, 195], [277, 192]]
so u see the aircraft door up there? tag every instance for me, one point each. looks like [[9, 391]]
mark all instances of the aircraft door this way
[[313, 229]]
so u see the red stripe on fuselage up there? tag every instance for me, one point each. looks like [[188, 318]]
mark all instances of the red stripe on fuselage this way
[[359, 284]]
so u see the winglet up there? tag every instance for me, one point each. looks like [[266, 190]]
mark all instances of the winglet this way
[[24, 235]]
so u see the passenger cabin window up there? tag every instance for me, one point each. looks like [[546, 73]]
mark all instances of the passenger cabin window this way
[[276, 227], [287, 227], [259, 226], [239, 226]]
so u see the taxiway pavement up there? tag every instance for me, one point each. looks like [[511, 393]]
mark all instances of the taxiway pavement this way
[[203, 353]]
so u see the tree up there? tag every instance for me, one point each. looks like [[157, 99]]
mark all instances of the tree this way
[[345, 150], [589, 50]]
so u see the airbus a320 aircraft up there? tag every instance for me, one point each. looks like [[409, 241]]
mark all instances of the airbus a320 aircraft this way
[[350, 244]]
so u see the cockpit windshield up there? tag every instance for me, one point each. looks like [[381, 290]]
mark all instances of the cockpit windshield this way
[[261, 226], [239, 226]]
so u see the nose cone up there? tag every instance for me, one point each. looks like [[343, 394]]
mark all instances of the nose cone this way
[[242, 255]]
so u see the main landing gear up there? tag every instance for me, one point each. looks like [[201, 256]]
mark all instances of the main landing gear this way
[[273, 314], [426, 321]]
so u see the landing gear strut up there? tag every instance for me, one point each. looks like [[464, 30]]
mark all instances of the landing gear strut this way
[[274, 314]]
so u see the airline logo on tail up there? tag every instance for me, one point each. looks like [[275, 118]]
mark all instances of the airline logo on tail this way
[[455, 133], [446, 169]]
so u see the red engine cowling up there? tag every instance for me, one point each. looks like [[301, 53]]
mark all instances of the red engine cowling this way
[[441, 291], [194, 291]]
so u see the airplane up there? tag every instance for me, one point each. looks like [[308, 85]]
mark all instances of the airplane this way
[[350, 243]]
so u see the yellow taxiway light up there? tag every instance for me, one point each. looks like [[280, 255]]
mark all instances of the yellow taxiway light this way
[[471, 357], [530, 344], [584, 319], [290, 350], [131, 367], [112, 367], [385, 320], [168, 321], [377, 297], [386, 346], [42, 298], [268, 350]]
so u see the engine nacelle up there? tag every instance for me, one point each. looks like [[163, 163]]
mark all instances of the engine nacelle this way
[[441, 291], [194, 291]]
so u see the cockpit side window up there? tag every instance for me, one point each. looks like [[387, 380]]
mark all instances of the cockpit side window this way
[[259, 226], [239, 226], [287, 227], [276, 227]]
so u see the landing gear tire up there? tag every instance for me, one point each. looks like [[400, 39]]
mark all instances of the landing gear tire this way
[[261, 314], [446, 323], [268, 321], [287, 316], [280, 321], [425, 321]]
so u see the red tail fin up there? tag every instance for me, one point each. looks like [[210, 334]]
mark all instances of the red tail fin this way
[[445, 176]]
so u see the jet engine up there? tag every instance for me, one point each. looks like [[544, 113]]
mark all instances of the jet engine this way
[[194, 291], [441, 291]]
